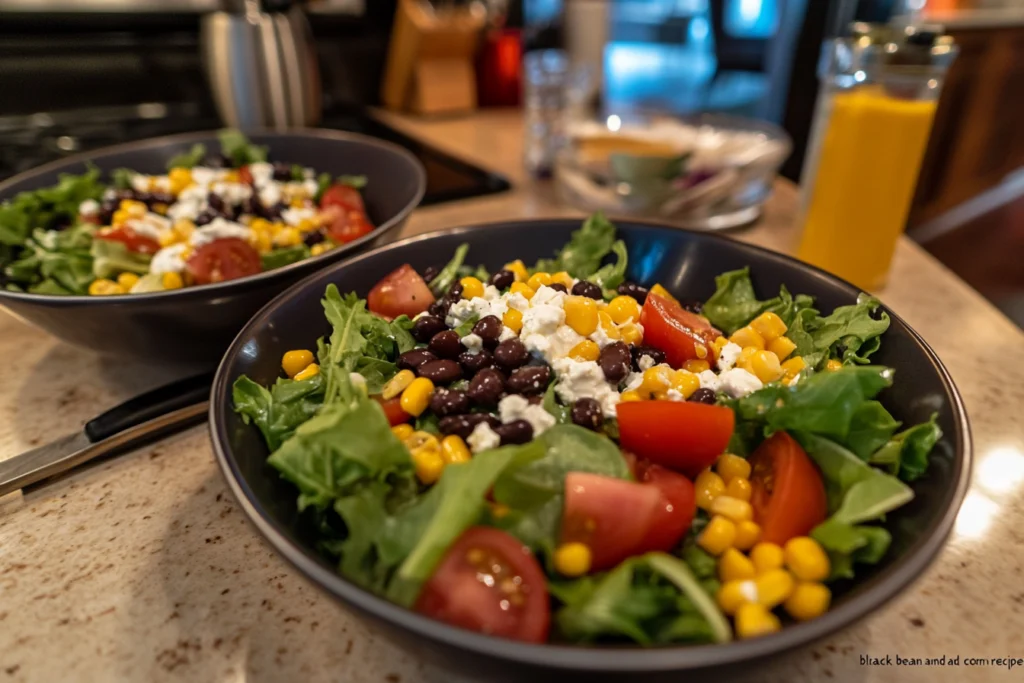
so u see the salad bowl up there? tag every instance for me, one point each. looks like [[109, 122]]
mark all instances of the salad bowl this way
[[685, 263]]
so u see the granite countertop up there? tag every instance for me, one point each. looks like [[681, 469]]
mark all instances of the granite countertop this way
[[980, 18], [142, 568]]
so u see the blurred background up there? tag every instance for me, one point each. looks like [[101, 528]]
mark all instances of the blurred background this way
[[76, 75]]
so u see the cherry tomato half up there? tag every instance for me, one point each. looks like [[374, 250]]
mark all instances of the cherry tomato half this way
[[228, 258], [683, 436], [344, 225], [787, 493], [344, 196], [677, 332], [491, 583], [402, 291], [245, 175], [393, 410], [132, 240], [675, 513]]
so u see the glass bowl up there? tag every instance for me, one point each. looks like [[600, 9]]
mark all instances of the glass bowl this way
[[706, 172]]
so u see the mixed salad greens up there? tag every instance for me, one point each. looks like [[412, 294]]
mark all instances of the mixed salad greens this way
[[209, 219], [560, 454]]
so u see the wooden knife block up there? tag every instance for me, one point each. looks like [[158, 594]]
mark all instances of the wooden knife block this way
[[430, 60]]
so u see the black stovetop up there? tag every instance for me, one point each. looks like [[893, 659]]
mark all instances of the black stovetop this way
[[28, 141]]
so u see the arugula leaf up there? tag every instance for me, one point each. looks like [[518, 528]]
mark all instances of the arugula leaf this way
[[447, 275], [356, 181], [323, 181], [850, 333], [847, 544], [55, 262], [734, 303], [610, 276], [121, 178], [277, 412], [285, 256], [47, 207], [561, 413], [348, 316], [870, 428], [236, 147], [906, 454], [111, 258], [375, 372], [193, 157], [298, 173], [587, 247]]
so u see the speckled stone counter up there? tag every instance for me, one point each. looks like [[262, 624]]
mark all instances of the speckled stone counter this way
[[143, 569]]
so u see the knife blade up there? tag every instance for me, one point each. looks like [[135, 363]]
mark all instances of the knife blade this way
[[137, 421]]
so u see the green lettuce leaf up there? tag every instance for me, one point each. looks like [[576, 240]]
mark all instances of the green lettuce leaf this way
[[356, 181], [111, 258], [587, 247], [906, 454], [610, 276], [848, 545], [236, 147], [447, 275], [285, 256], [870, 428], [278, 411], [561, 413], [193, 157], [47, 207]]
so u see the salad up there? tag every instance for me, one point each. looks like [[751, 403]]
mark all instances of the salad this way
[[209, 219], [556, 453]]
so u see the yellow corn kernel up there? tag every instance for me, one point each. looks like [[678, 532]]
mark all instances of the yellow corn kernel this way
[[747, 534], [454, 450], [428, 465], [793, 366], [656, 380], [120, 216], [735, 509], [748, 336], [127, 280], [632, 333], [734, 566], [720, 343], [294, 362], [746, 354], [320, 248], [766, 366], [738, 488], [833, 364], [769, 325], [397, 384], [105, 287], [518, 269], [585, 350], [311, 370], [774, 586], [231, 177], [581, 314], [522, 288], [260, 224], [730, 466], [297, 202], [753, 621], [781, 347], [513, 319], [537, 280], [171, 281], [608, 325], [133, 207], [630, 395], [700, 350], [308, 225], [180, 179], [685, 382], [572, 559], [562, 278], [402, 431], [808, 601], [288, 237], [732, 594], [662, 292], [695, 365], [718, 536], [766, 557], [160, 208], [806, 559], [707, 486], [417, 395], [471, 288], [624, 309], [421, 440], [168, 237]]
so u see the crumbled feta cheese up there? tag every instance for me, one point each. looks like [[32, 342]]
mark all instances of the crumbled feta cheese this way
[[537, 344], [89, 207], [296, 216], [479, 307], [634, 380], [473, 342], [645, 362], [308, 174], [601, 338], [151, 225], [310, 187], [674, 395], [728, 355], [514, 407], [585, 379], [491, 293], [190, 203], [140, 182], [169, 259], [506, 334], [738, 382], [483, 438], [218, 228], [709, 380], [262, 173], [270, 194], [203, 176], [547, 295], [542, 319], [517, 301], [231, 193]]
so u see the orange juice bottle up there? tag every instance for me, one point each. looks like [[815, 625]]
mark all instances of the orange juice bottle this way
[[871, 130]]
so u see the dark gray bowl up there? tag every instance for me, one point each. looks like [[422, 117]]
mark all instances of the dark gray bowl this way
[[196, 324], [686, 263]]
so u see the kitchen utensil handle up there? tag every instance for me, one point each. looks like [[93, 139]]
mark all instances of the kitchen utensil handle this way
[[141, 409]]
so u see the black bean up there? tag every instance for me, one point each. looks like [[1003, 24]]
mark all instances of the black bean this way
[[657, 355], [430, 272], [446, 402], [692, 305], [703, 395], [440, 308], [532, 379], [614, 361], [587, 289], [219, 161], [165, 198], [410, 360], [204, 218], [440, 371], [446, 344], [559, 287], [251, 205], [586, 412], [282, 171], [503, 279], [519, 431], [273, 213], [313, 237], [511, 354], [215, 202], [634, 290], [455, 291], [475, 362], [463, 425], [426, 326], [486, 387], [488, 328]]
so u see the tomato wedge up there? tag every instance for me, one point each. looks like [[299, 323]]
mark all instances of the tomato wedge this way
[[491, 583], [228, 258], [132, 240], [344, 196], [611, 516], [677, 332], [675, 513], [787, 493], [402, 291], [344, 226], [393, 410], [245, 175], [683, 436]]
